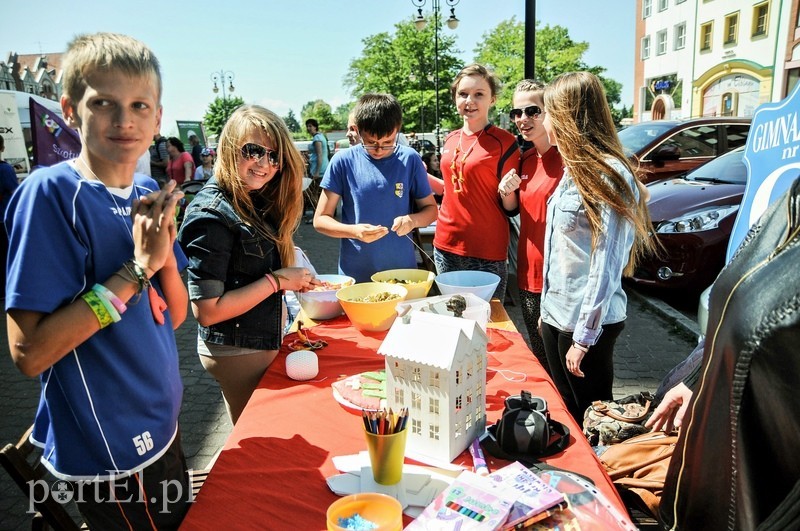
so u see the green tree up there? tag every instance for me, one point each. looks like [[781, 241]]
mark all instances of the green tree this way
[[291, 122], [556, 53], [320, 111], [218, 112], [387, 62], [342, 112]]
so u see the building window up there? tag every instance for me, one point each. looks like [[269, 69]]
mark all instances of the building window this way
[[416, 426], [663, 5], [433, 432], [416, 374], [680, 36], [661, 42], [646, 47], [416, 401], [647, 8], [760, 19], [706, 31], [434, 381], [731, 28], [398, 396], [459, 403], [434, 406]]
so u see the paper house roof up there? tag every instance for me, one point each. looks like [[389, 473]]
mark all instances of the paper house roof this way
[[430, 339]]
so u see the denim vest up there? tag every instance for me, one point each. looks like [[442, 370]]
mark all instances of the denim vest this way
[[222, 247]]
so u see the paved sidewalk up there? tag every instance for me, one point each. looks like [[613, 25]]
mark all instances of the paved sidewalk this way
[[654, 340]]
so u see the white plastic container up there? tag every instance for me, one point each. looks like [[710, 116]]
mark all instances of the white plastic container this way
[[477, 308]]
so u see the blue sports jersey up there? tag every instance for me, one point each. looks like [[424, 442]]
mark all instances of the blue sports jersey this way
[[109, 407], [376, 191]]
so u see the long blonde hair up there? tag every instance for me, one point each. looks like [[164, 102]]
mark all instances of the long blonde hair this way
[[576, 105], [283, 195]]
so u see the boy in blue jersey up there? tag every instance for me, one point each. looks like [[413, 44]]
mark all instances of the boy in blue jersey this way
[[94, 293], [381, 185]]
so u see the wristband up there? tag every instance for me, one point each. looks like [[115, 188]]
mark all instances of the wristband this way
[[99, 310], [107, 294], [272, 282], [582, 348], [277, 280]]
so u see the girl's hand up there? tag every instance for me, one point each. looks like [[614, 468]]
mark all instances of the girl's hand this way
[[509, 183], [574, 358], [369, 233], [296, 279], [670, 412]]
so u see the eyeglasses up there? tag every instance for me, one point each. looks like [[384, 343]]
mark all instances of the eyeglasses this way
[[531, 111], [375, 147], [255, 153]]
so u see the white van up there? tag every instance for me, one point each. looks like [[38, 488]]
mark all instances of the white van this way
[[15, 127]]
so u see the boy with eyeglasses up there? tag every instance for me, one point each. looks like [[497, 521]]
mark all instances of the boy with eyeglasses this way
[[384, 192]]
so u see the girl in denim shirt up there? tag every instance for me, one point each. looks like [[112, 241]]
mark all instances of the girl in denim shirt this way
[[597, 228], [237, 234]]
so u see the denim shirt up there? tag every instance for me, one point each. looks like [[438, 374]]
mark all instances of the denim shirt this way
[[582, 288], [225, 254]]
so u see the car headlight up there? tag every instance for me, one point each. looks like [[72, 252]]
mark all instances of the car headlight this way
[[697, 221]]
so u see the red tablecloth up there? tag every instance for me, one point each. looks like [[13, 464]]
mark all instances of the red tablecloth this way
[[271, 472]]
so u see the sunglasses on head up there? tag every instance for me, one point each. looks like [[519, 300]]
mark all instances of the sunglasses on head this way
[[531, 111], [255, 153]]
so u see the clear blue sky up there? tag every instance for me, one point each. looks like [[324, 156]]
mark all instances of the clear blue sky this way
[[286, 53]]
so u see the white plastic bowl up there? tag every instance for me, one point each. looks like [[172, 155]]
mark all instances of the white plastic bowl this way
[[321, 305], [480, 283]]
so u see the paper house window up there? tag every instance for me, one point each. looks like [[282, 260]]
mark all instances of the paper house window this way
[[416, 401], [398, 395], [442, 358]]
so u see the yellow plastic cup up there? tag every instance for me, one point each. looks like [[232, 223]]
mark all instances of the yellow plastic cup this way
[[379, 509], [386, 455]]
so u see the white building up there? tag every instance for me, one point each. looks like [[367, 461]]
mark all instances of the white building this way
[[713, 57]]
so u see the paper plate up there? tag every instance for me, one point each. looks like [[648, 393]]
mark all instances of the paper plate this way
[[350, 405]]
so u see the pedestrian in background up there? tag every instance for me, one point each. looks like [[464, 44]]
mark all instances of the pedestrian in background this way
[[206, 170], [94, 293], [527, 193], [472, 230], [159, 159], [379, 184], [181, 167], [597, 229], [238, 235], [196, 149]]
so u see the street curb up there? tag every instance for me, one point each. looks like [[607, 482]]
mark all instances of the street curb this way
[[666, 311]]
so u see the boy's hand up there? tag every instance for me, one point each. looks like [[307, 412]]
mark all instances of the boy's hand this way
[[369, 233], [403, 225], [154, 226]]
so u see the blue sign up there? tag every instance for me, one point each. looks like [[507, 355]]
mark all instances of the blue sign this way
[[772, 157]]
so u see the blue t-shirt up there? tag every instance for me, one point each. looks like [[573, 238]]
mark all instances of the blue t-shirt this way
[[376, 191], [312, 155], [8, 183], [111, 405]]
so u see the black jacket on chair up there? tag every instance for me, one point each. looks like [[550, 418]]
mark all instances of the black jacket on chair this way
[[737, 462]]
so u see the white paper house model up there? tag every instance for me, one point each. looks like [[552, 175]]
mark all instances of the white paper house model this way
[[436, 367]]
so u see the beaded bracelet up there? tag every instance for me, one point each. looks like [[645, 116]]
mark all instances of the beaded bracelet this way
[[104, 317], [271, 279], [109, 295]]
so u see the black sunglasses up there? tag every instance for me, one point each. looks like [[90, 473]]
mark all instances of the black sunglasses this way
[[255, 153], [531, 111]]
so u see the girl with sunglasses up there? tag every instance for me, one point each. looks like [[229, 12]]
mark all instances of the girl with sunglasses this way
[[472, 228], [237, 234], [527, 192], [597, 230]]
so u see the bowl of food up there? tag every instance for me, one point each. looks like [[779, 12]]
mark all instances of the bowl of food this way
[[480, 283], [371, 306], [365, 510], [321, 302], [417, 281]]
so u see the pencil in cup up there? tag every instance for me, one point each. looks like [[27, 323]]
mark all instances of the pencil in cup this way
[[386, 443]]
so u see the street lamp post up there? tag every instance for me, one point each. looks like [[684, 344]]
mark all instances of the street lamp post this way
[[420, 22], [220, 79]]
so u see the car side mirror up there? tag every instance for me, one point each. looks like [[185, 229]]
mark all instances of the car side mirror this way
[[666, 152]]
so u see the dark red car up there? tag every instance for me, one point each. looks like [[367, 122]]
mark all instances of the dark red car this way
[[665, 148], [692, 218]]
